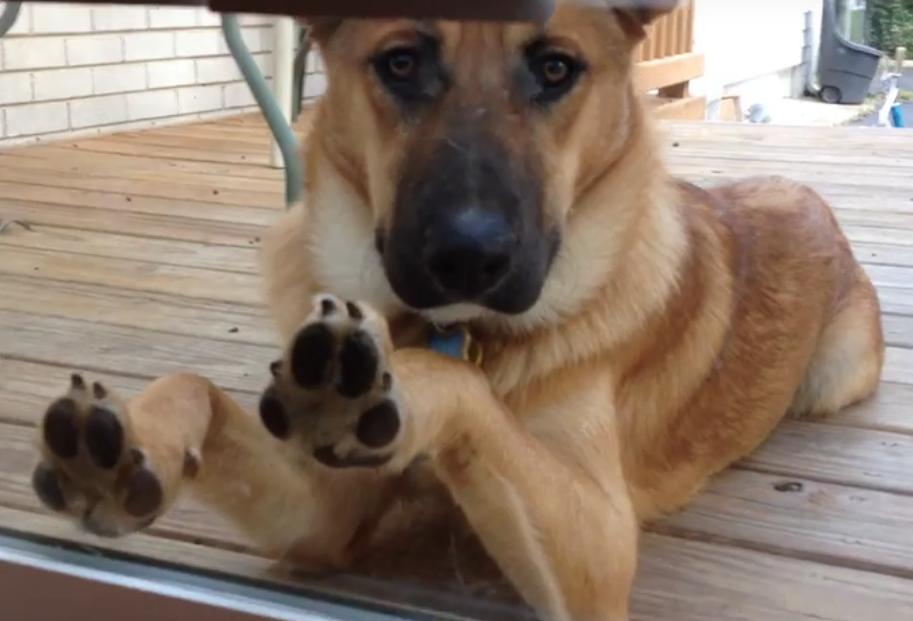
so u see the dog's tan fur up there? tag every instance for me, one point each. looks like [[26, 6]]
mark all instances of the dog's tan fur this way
[[677, 327]]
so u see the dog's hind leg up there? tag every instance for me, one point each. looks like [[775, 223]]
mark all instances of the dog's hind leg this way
[[847, 363]]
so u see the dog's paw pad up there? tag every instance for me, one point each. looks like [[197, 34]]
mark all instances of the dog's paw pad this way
[[358, 364], [327, 307], [104, 437], [92, 469], [274, 416], [47, 485], [312, 356], [333, 390], [144, 493], [61, 428], [354, 311], [379, 426]]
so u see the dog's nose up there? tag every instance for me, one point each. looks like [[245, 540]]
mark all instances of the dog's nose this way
[[469, 252]]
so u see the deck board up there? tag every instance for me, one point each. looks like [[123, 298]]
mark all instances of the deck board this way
[[142, 257]]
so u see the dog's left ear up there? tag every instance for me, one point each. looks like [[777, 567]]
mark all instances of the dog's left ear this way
[[321, 29], [635, 20]]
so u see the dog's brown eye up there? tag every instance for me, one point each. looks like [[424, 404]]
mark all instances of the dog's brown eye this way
[[402, 64], [411, 74], [555, 75], [555, 70]]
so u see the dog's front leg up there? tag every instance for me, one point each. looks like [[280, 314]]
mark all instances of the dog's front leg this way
[[563, 533], [553, 513], [116, 466]]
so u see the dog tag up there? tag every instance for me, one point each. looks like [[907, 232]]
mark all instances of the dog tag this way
[[455, 343]]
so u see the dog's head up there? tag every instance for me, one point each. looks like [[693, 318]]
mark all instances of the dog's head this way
[[471, 143]]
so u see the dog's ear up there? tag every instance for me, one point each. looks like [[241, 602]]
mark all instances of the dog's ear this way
[[321, 29], [634, 21]]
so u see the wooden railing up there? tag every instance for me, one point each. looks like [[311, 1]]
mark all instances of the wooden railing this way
[[666, 63], [669, 35]]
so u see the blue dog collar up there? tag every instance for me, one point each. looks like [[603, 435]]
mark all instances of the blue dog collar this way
[[455, 343]]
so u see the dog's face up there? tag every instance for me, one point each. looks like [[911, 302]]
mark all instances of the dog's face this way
[[472, 142]]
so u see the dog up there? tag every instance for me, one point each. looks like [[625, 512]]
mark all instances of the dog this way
[[497, 185]]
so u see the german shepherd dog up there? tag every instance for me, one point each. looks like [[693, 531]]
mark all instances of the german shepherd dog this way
[[637, 334]]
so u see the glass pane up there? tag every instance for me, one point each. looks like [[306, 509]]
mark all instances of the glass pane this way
[[494, 192]]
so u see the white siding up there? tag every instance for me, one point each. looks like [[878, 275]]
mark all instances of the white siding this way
[[165, 73], [68, 69], [62, 83], [751, 48], [37, 118]]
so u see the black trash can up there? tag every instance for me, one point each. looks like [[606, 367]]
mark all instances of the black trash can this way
[[845, 69]]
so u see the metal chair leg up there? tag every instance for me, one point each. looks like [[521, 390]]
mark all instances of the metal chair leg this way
[[8, 16], [283, 132]]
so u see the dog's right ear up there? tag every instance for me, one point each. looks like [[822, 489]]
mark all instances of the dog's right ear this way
[[322, 29], [635, 19]]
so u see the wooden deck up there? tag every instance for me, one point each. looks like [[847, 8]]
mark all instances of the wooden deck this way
[[139, 255]]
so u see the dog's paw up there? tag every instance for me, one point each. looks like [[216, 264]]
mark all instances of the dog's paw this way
[[93, 469], [333, 390]]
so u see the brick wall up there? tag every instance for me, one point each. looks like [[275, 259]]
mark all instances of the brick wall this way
[[69, 70]]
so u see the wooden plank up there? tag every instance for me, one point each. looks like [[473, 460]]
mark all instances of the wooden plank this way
[[98, 149], [792, 135], [179, 191], [693, 581], [890, 409], [655, 74], [128, 309], [198, 133], [27, 388], [147, 225], [74, 345], [827, 139], [133, 275], [898, 365], [684, 108], [827, 523], [257, 135], [874, 460], [174, 137], [873, 219], [878, 235], [661, 34], [898, 330], [113, 144], [682, 147], [895, 300], [131, 168], [727, 171], [165, 252], [891, 276], [12, 193], [892, 154], [688, 8], [685, 150], [887, 254]]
